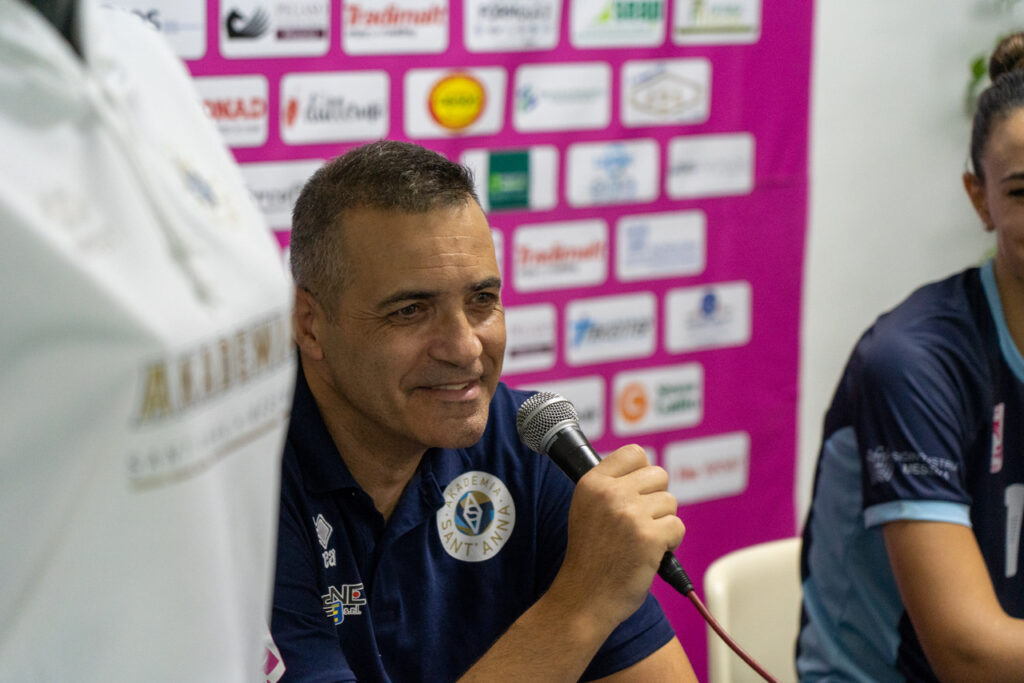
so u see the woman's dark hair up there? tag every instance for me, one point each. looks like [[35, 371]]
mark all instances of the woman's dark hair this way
[[1004, 96]]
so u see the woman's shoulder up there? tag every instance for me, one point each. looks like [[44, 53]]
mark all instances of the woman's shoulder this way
[[941, 323]]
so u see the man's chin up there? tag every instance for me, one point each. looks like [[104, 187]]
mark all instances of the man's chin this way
[[462, 434]]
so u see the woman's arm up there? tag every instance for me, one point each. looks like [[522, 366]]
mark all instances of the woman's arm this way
[[945, 586]]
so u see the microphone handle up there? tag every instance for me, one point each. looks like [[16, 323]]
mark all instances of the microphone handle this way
[[572, 452]]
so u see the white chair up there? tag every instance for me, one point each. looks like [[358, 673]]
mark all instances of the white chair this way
[[754, 594]]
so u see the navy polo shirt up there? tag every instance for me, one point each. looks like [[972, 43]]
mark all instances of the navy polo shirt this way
[[475, 539]]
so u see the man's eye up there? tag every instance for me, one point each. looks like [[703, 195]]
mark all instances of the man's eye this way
[[407, 311], [486, 298]]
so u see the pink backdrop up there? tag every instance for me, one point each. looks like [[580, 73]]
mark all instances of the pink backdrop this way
[[718, 331]]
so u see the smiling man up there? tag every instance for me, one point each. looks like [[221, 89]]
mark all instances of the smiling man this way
[[419, 539]]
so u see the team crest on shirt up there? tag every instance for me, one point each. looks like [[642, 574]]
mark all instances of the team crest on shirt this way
[[477, 517]]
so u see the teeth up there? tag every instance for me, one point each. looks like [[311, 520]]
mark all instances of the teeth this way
[[453, 387]]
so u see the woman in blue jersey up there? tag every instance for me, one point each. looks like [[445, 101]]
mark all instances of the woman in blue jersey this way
[[911, 561]]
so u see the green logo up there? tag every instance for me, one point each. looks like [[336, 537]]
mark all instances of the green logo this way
[[508, 180]]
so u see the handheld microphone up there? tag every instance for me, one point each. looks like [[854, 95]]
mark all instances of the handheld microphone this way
[[548, 423]]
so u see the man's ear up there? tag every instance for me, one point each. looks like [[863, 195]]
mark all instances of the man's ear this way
[[307, 324], [976, 192]]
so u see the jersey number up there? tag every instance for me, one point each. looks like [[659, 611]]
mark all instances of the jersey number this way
[[1014, 499]]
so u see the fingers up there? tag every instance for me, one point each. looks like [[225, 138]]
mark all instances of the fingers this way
[[621, 521], [630, 464], [623, 460], [673, 530], [626, 480]]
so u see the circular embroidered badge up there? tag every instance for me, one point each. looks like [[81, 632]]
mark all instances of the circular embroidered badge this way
[[477, 517]]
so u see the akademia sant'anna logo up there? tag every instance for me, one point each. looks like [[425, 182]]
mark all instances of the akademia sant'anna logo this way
[[477, 517]]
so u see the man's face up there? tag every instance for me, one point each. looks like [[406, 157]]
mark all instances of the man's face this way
[[416, 346]]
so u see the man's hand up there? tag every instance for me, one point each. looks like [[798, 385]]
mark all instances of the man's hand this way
[[621, 522]]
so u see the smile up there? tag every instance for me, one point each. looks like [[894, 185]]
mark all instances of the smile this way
[[452, 387]]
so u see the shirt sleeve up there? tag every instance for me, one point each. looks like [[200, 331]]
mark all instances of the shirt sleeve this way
[[632, 641], [309, 646], [914, 426]]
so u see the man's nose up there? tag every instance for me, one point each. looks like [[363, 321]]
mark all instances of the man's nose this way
[[456, 339]]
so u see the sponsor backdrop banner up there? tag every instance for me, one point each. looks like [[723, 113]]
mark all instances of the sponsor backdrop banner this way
[[644, 167]]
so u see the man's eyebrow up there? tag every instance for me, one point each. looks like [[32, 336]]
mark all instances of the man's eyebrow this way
[[489, 283], [427, 294], [406, 295]]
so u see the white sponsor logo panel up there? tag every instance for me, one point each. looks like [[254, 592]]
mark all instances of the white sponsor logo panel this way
[[551, 97], [660, 245], [610, 328], [511, 25], [619, 172], [658, 399], [238, 105], [454, 102], [531, 334], [337, 106], [710, 165], [617, 23], [560, 255], [275, 185], [396, 27], [702, 22], [708, 316], [708, 468], [281, 28], [665, 92], [183, 22]]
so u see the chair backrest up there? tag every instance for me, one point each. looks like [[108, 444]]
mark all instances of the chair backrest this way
[[754, 593]]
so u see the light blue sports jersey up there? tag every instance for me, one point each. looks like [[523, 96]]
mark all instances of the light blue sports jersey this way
[[925, 425]]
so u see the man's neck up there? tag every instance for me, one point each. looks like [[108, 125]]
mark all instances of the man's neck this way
[[382, 470], [384, 479]]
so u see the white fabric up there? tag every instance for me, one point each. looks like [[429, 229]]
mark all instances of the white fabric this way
[[146, 368]]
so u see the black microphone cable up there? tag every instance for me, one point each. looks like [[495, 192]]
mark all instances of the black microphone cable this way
[[548, 423]]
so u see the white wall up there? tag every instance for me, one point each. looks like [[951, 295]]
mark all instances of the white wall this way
[[889, 139]]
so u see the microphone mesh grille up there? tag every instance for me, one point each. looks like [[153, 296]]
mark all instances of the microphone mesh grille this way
[[539, 414]]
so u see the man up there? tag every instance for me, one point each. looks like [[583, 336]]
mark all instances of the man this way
[[419, 539]]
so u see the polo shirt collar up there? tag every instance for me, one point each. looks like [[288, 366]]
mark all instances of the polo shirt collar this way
[[323, 470]]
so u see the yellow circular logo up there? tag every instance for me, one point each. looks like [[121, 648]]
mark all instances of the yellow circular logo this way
[[456, 101]]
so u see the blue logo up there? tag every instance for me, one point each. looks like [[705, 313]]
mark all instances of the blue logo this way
[[474, 513], [526, 98], [708, 304], [614, 182]]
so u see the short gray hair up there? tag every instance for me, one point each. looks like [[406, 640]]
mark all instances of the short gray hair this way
[[386, 175]]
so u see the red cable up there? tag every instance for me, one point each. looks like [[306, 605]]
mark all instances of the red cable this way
[[692, 595]]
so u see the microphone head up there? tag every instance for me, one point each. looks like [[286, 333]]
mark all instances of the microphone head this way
[[541, 417]]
